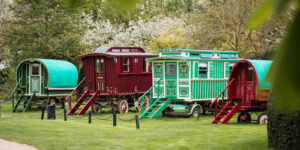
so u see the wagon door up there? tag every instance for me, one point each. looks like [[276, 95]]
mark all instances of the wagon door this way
[[249, 86], [100, 74], [35, 79], [171, 79]]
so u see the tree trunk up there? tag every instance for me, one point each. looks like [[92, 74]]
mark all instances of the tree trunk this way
[[283, 128]]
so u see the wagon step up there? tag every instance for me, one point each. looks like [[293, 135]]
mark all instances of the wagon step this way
[[226, 113], [20, 97], [156, 108], [86, 105]]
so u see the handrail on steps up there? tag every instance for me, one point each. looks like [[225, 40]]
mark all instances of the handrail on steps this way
[[13, 92], [75, 90], [222, 93], [149, 91]]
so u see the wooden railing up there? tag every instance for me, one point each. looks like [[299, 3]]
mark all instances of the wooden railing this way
[[69, 98], [141, 99], [12, 95], [216, 100]]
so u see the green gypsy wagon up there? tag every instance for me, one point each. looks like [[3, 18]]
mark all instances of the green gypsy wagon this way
[[40, 79], [186, 80]]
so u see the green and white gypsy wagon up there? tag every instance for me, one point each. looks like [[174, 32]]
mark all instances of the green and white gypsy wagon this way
[[43, 79], [186, 80]]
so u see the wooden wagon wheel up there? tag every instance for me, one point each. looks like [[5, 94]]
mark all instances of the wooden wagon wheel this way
[[195, 111], [123, 106], [67, 104], [145, 104], [244, 117], [97, 108], [262, 118]]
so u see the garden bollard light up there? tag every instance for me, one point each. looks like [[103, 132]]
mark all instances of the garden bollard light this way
[[65, 114], [137, 121], [114, 116], [90, 117]]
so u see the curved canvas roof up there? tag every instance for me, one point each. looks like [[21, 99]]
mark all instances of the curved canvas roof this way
[[262, 67], [62, 74]]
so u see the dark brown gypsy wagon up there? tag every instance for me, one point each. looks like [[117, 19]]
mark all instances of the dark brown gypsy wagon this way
[[111, 75]]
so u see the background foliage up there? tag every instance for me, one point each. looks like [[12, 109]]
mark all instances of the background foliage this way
[[64, 29]]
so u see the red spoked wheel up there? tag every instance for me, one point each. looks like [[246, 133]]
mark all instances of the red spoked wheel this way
[[123, 106], [97, 108], [145, 104], [244, 117]]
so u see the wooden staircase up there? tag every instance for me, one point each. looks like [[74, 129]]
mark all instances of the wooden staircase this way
[[85, 102], [226, 112], [19, 99], [28, 102], [156, 108]]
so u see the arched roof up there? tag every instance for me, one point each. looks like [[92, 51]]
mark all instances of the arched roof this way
[[62, 74], [261, 68]]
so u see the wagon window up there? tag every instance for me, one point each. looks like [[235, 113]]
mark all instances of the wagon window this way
[[145, 65], [97, 65], [250, 74], [134, 50], [35, 70], [230, 67], [102, 65], [171, 70], [126, 64], [125, 50], [115, 50], [202, 70]]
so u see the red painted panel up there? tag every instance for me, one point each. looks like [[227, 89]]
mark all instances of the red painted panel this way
[[244, 87], [117, 81]]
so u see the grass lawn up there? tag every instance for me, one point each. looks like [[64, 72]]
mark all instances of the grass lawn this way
[[161, 133]]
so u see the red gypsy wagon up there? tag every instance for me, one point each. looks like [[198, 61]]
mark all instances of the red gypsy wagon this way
[[248, 91], [111, 75]]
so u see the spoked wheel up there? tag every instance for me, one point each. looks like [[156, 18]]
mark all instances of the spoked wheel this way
[[123, 106], [195, 111], [67, 104], [145, 104], [97, 108], [262, 118], [166, 111], [244, 117]]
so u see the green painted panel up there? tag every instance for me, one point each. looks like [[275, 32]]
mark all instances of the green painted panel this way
[[192, 69], [158, 69], [183, 70], [171, 88], [228, 55], [209, 89], [205, 55], [212, 70], [178, 107], [183, 91], [171, 53], [161, 91], [226, 70], [196, 70], [160, 82], [184, 83], [35, 84]]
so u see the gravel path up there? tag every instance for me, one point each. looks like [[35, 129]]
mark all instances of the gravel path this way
[[7, 145]]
